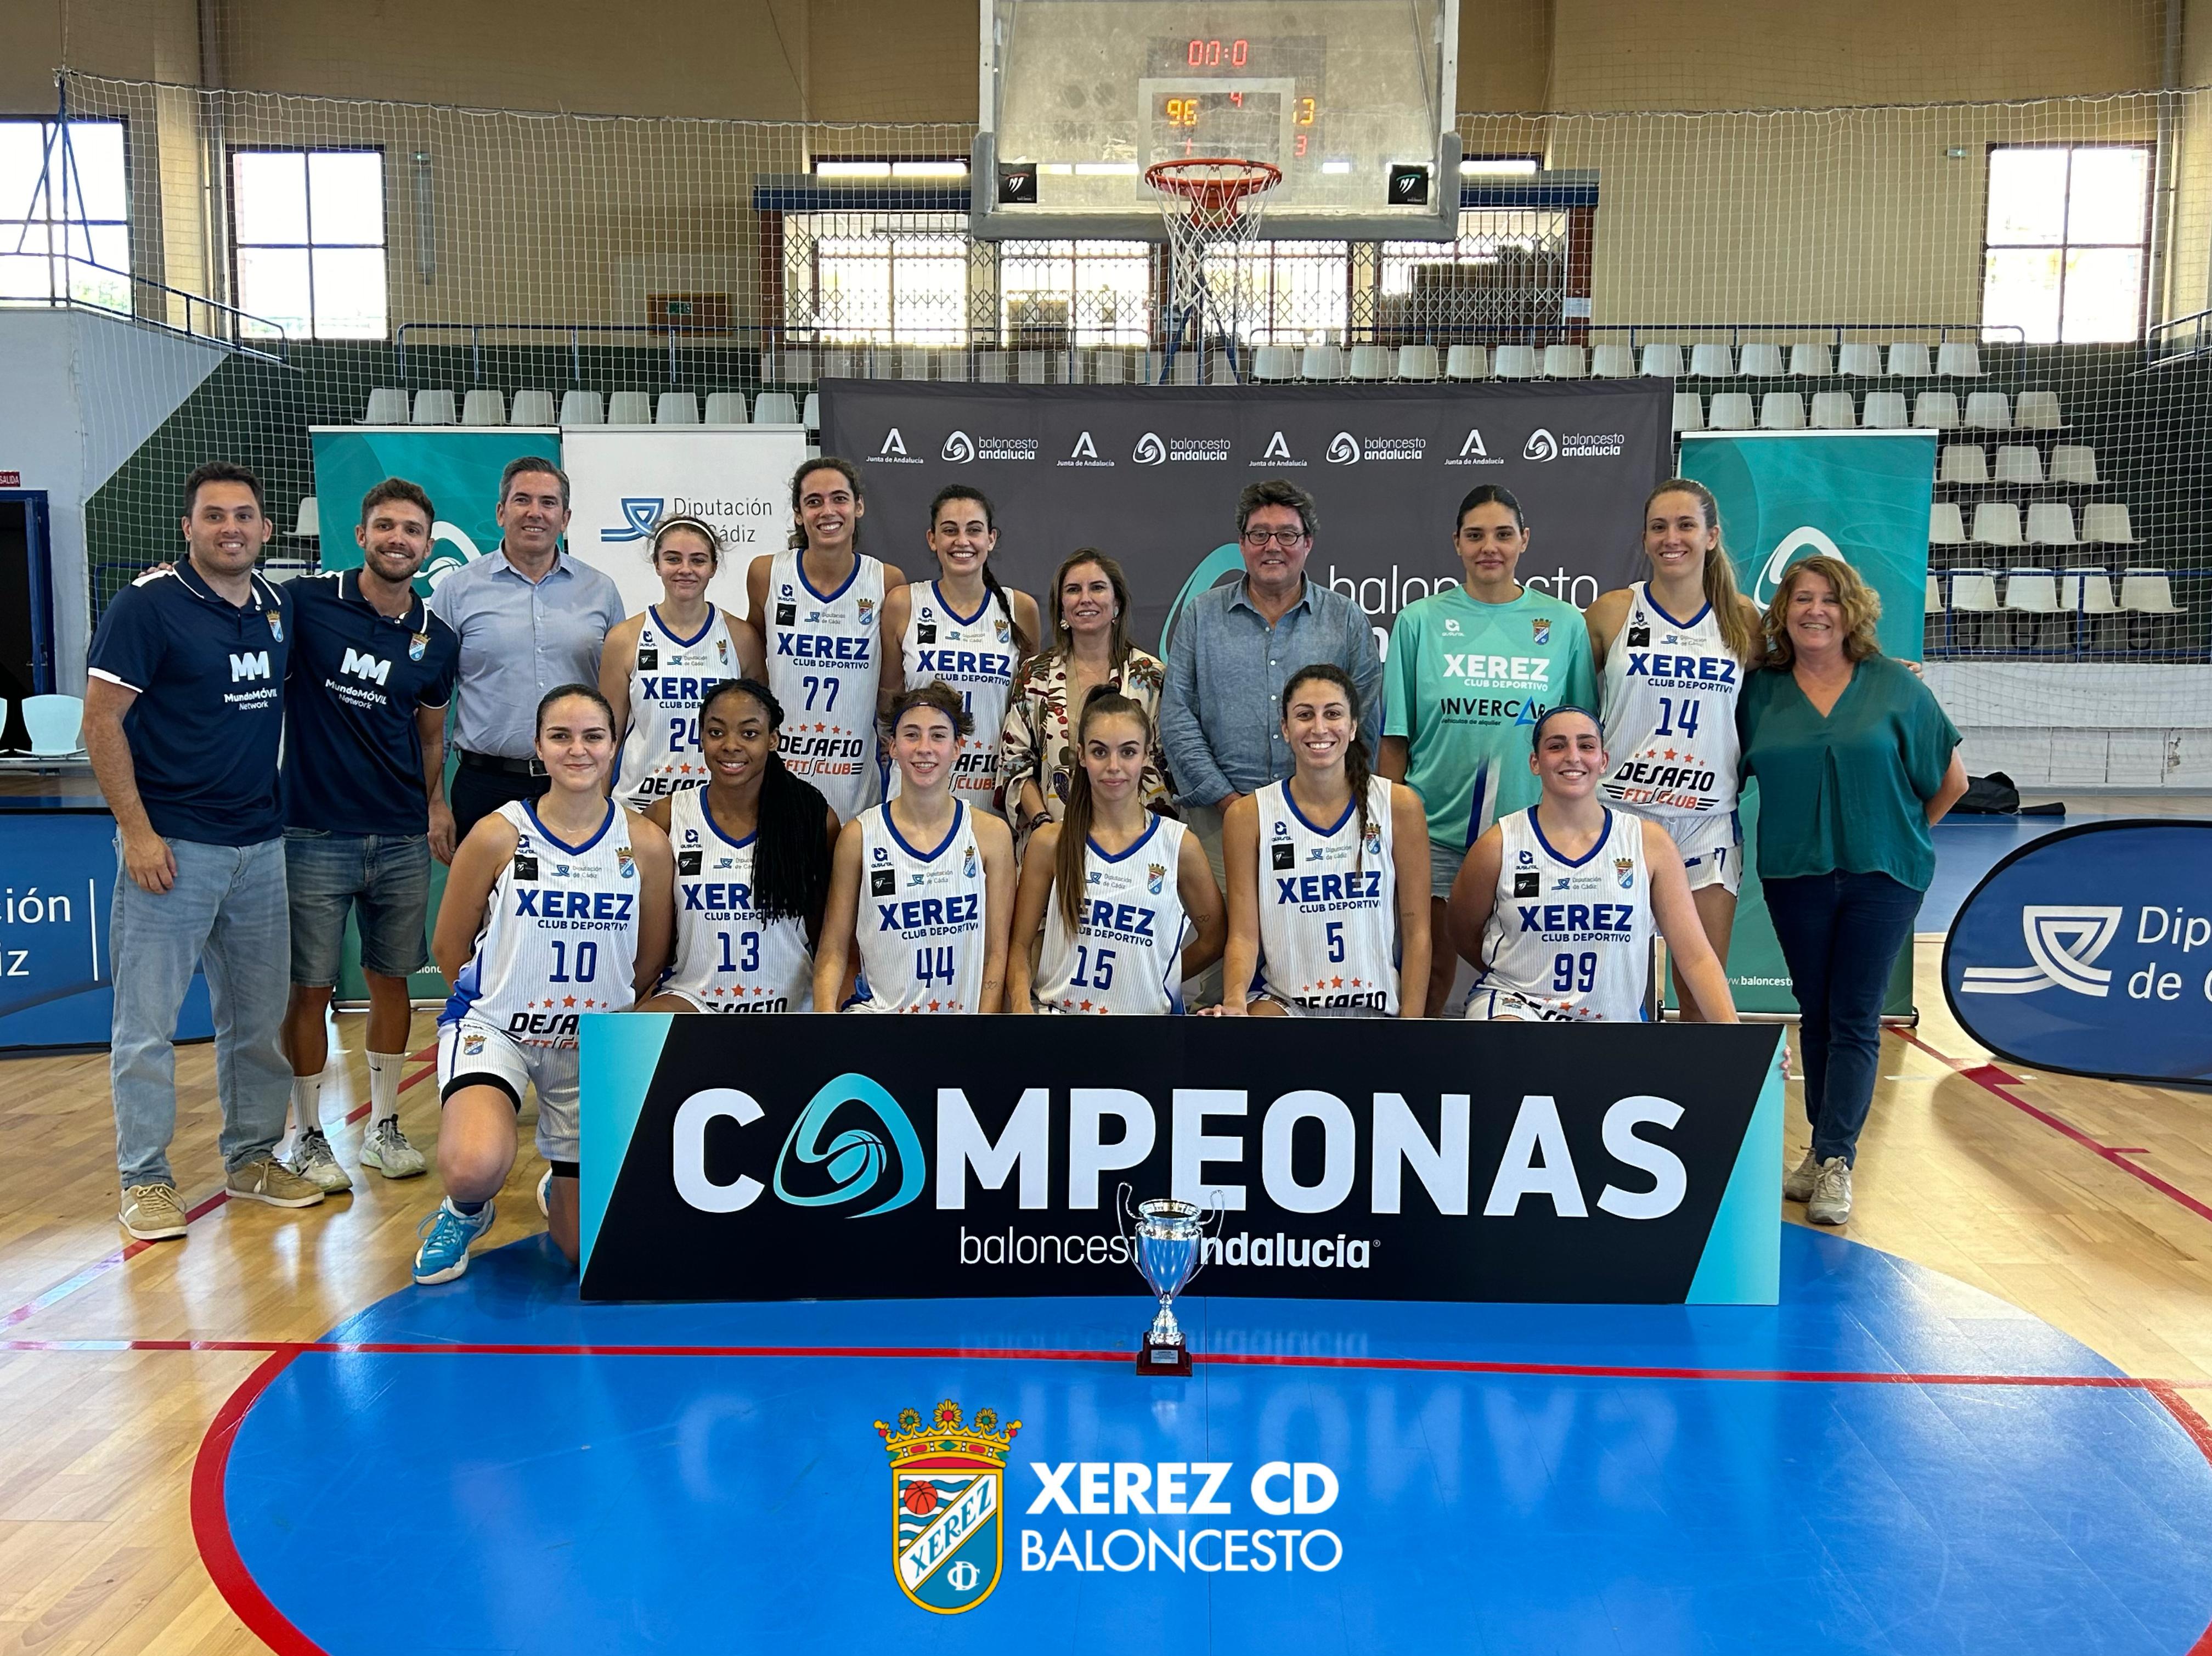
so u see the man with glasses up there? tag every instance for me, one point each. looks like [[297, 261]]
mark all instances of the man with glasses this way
[[1221, 716]]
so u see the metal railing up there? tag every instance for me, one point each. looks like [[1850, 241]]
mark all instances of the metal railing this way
[[174, 310], [2178, 339]]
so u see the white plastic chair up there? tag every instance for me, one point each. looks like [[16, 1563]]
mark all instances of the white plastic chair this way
[[531, 408], [387, 406], [1936, 411], [1515, 362], [1861, 358], [1973, 592], [582, 408], [1612, 361], [1370, 363], [1945, 526], [2106, 524], [1908, 360], [1933, 603], [1988, 411], [1273, 364], [1760, 360], [2142, 592], [2018, 463], [1030, 367], [2073, 462], [1712, 362], [484, 406], [1468, 362], [1996, 523], [629, 408], [1731, 410], [1782, 411], [726, 408], [676, 408], [1689, 411], [1811, 362], [55, 725], [1963, 462], [1565, 363], [2050, 523], [1417, 362], [1322, 363], [1884, 411], [2039, 412], [1958, 359], [1662, 360], [2031, 591], [1833, 411], [775, 408], [306, 525], [433, 408], [810, 413]]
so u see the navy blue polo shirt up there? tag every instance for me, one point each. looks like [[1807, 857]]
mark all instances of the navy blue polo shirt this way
[[353, 762], [205, 729]]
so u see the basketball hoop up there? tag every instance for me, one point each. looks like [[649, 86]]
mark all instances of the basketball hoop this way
[[1210, 203]]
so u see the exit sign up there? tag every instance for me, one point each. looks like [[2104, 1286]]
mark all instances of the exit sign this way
[[11, 479]]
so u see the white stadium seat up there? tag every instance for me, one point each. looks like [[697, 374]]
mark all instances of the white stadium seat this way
[[1996, 523], [1107, 365], [1468, 362], [1417, 362], [1946, 527], [1662, 362], [2031, 591], [484, 406], [1932, 603], [629, 408], [775, 408], [1936, 411], [676, 408], [2073, 462], [1515, 362], [2148, 591], [1782, 411], [1958, 359], [1760, 360], [1973, 592], [1884, 411], [1731, 410], [1689, 411], [1612, 361], [1833, 411], [1370, 363], [2050, 523], [1811, 362], [1908, 360], [532, 408], [1987, 410], [387, 406], [1271, 364], [1565, 363], [2107, 525], [2039, 412], [1859, 357], [2017, 463], [726, 408], [2089, 591], [434, 408], [1030, 367], [582, 408], [1963, 462], [1712, 362], [1322, 363], [809, 414]]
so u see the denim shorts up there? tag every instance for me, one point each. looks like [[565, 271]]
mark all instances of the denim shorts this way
[[383, 879]]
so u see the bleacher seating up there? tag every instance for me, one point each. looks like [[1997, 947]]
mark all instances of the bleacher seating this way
[[1936, 411], [1996, 523], [1959, 360], [2106, 524], [1782, 411], [1468, 362], [1908, 360], [433, 408], [2039, 412], [1271, 364], [1811, 362], [630, 408], [1373, 362], [1613, 361], [676, 408], [1662, 362], [775, 408], [1514, 363], [484, 406], [1689, 411], [1322, 363], [1565, 363], [1884, 411], [2072, 463], [726, 408], [1963, 463], [531, 408], [387, 406], [1729, 411], [582, 408], [1712, 361], [2050, 523], [1833, 411], [1860, 358], [2017, 463], [1759, 360], [1988, 411], [1417, 362], [1947, 526]]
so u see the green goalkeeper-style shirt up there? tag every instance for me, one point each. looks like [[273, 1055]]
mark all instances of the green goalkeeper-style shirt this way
[[1466, 684]]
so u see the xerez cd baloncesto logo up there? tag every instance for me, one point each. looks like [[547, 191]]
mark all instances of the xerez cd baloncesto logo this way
[[948, 1505]]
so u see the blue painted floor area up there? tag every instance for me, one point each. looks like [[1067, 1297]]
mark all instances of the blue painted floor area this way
[[606, 1503], [1966, 847]]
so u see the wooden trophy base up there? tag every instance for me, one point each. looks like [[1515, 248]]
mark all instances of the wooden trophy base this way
[[1155, 1357]]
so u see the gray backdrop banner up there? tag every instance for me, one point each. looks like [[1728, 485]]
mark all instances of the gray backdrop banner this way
[[1151, 474]]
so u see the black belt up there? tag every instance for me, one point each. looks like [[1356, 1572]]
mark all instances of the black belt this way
[[500, 763]]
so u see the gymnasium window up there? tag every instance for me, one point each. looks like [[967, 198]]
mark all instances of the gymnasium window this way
[[2068, 242], [1288, 293], [65, 212], [1506, 272], [308, 236], [876, 278], [1055, 294]]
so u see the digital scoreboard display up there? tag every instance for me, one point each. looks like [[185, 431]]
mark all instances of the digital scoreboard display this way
[[1255, 98]]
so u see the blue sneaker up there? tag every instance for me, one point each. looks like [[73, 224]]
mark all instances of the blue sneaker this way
[[444, 1254]]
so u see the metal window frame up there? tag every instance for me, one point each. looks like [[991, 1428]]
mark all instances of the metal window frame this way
[[310, 246], [2066, 244]]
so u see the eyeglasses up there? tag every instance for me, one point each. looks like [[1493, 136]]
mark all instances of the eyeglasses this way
[[1255, 539]]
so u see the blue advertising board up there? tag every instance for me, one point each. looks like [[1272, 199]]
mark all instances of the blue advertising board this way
[[2089, 952], [56, 983]]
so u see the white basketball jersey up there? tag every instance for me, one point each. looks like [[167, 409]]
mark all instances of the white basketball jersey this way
[[1670, 693], [669, 678], [823, 667], [1573, 934], [1127, 956], [920, 919], [727, 958], [560, 934], [975, 655], [1328, 906]]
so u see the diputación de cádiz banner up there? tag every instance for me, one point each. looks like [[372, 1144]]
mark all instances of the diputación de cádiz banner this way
[[869, 1158]]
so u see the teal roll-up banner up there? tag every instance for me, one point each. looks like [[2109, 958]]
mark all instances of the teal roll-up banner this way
[[1860, 495], [459, 468]]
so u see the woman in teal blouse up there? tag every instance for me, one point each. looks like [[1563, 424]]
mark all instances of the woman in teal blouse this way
[[1856, 762]]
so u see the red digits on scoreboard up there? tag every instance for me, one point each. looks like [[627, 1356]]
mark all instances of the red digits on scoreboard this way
[[1208, 54]]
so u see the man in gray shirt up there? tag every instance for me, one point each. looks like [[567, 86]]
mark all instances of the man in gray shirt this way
[[1221, 715], [530, 617]]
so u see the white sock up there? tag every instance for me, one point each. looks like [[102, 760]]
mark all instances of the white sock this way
[[384, 1084], [306, 1104]]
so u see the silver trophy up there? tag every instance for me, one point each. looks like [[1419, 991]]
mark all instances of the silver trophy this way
[[1170, 1252]]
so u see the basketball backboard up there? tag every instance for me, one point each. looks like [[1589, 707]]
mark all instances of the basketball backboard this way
[[1350, 99]]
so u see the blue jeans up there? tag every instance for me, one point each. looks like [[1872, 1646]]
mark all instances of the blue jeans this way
[[1841, 933], [226, 913]]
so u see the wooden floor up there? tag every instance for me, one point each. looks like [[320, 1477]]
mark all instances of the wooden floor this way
[[2087, 1203]]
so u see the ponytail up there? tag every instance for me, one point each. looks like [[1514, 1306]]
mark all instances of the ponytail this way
[[1067, 864], [791, 847], [1740, 631], [1359, 769]]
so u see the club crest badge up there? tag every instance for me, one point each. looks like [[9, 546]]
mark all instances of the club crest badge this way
[[1542, 628], [276, 626], [1623, 870], [948, 1507], [626, 862], [1156, 875], [866, 607], [417, 644], [968, 864], [473, 1043]]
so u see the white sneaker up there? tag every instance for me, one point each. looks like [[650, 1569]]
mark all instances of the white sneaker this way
[[385, 1148], [1831, 1201], [313, 1160], [1797, 1183], [545, 1194]]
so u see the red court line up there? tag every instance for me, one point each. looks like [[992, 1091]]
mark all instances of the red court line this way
[[99, 1268], [211, 1521], [1993, 1081]]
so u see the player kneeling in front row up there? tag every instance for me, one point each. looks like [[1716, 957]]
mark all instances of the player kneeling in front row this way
[[1328, 874], [1116, 889], [1555, 906], [554, 907], [753, 853], [922, 886]]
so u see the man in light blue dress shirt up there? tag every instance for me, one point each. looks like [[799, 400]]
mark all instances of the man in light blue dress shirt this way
[[530, 617], [1221, 715]]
